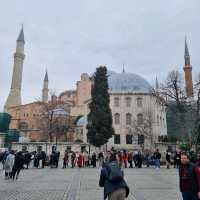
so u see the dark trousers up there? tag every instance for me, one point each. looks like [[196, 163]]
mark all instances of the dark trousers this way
[[8, 174], [16, 172], [189, 196], [130, 164]]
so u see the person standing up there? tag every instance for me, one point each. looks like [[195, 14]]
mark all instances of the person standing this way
[[86, 159], [80, 160], [140, 159], [125, 158], [168, 159], [8, 165], [157, 156], [101, 158], [112, 179], [65, 160], [130, 159], [73, 158], [189, 179], [94, 160], [18, 165], [177, 159]]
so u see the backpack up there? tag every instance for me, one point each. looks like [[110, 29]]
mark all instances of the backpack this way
[[115, 174]]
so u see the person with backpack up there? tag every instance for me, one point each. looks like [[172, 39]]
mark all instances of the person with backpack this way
[[189, 179], [112, 179]]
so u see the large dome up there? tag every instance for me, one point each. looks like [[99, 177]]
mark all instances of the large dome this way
[[127, 82]]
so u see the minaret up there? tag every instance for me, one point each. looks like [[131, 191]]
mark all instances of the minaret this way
[[14, 98], [157, 84], [45, 89], [188, 72]]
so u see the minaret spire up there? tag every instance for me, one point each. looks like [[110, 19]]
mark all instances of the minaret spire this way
[[21, 35], [188, 72], [14, 98], [45, 90], [157, 84], [123, 70], [186, 55]]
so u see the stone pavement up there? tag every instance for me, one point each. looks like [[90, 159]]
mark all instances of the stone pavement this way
[[82, 184]]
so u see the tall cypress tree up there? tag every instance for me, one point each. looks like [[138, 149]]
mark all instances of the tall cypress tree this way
[[100, 118]]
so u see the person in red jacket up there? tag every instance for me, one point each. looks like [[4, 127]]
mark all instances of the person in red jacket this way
[[80, 160], [189, 177], [125, 158]]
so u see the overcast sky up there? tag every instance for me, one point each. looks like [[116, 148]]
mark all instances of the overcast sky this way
[[71, 37]]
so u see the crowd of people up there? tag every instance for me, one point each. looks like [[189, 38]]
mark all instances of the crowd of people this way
[[111, 162]]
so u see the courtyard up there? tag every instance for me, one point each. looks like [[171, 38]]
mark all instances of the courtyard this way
[[82, 184]]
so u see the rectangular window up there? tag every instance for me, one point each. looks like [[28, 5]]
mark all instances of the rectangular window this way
[[129, 139], [128, 102], [117, 139], [116, 102], [139, 102]]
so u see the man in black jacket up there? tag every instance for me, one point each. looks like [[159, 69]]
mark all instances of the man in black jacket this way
[[114, 190]]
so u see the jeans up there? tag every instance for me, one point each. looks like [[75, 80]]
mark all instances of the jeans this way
[[188, 196], [157, 163]]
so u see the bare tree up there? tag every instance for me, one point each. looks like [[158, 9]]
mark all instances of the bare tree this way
[[143, 126], [54, 119]]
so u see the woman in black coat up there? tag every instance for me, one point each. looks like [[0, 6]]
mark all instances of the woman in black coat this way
[[18, 165]]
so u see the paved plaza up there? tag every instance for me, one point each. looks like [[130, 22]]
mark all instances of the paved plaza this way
[[82, 184]]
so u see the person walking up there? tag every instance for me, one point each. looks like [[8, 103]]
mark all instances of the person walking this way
[[18, 165], [189, 179], [112, 179], [8, 165]]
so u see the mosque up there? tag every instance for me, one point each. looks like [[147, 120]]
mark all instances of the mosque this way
[[139, 117]]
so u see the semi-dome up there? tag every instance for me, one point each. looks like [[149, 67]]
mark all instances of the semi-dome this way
[[81, 121], [127, 82]]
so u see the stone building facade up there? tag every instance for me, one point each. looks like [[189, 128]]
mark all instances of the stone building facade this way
[[136, 111]]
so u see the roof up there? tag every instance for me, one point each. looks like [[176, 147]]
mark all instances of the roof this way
[[186, 49], [46, 77], [127, 82], [81, 121], [21, 36]]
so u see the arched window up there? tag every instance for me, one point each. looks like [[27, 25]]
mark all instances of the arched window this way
[[116, 101], [139, 102], [128, 101], [140, 119], [128, 119], [117, 118]]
